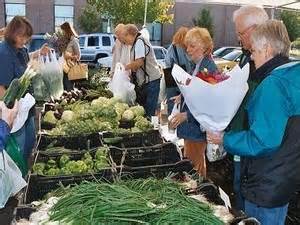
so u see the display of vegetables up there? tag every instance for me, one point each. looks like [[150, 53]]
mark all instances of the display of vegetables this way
[[149, 201], [65, 166], [102, 114], [18, 87]]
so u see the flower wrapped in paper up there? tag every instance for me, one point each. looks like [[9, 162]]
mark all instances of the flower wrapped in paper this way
[[213, 105]]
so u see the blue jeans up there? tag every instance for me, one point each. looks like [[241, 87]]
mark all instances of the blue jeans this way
[[266, 216], [152, 89], [26, 138], [171, 92], [239, 200]]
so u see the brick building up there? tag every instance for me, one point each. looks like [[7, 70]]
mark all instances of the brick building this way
[[43, 14]]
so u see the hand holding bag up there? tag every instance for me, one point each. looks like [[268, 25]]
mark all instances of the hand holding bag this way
[[78, 71]]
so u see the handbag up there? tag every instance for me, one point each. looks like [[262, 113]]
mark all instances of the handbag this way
[[77, 71]]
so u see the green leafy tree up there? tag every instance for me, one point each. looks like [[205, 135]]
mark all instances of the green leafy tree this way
[[291, 20], [90, 20], [204, 19], [132, 11]]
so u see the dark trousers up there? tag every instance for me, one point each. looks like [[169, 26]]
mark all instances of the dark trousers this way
[[68, 84], [152, 90]]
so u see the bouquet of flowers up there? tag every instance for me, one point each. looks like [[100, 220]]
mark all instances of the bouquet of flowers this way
[[58, 41], [213, 99], [212, 78]]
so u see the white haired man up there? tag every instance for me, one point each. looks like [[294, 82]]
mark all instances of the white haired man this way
[[246, 19], [121, 51]]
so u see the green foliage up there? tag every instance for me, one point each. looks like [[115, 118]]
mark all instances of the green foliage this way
[[296, 44], [292, 22], [132, 11], [205, 20], [90, 19]]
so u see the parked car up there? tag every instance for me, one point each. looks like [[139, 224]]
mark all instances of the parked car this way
[[220, 52], [159, 51], [36, 42], [95, 46], [229, 60]]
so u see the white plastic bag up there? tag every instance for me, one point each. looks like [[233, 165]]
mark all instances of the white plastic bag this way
[[25, 104], [11, 181], [51, 71], [213, 106], [120, 85]]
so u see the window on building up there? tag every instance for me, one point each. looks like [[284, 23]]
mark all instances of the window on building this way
[[14, 8], [63, 13], [106, 41]]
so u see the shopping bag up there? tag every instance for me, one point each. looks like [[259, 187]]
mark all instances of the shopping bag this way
[[40, 90], [76, 70], [120, 85], [51, 70], [13, 150], [11, 181], [213, 105]]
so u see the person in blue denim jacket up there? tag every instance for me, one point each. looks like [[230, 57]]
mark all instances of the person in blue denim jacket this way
[[199, 48], [7, 118], [176, 55], [14, 60]]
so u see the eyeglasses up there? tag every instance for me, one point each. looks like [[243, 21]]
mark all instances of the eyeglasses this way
[[246, 30]]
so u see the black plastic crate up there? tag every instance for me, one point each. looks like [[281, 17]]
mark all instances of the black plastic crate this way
[[126, 124], [157, 171], [7, 213], [148, 138], [76, 142], [44, 156], [39, 186], [144, 156]]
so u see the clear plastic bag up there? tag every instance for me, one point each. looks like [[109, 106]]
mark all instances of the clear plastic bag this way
[[215, 152], [11, 181], [121, 86], [51, 71]]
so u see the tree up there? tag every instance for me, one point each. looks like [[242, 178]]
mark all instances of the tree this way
[[204, 19], [292, 22], [90, 20], [132, 11]]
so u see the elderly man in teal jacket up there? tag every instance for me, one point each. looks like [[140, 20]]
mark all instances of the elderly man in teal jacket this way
[[270, 165]]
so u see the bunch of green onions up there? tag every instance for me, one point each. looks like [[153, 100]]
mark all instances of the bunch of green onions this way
[[149, 201]]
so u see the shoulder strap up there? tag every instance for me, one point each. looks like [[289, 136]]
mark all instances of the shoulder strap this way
[[138, 37]]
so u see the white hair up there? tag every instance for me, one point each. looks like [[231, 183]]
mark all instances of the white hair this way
[[250, 15], [274, 34]]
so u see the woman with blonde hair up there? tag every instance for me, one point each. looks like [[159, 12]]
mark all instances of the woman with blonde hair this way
[[270, 146], [199, 48], [72, 50], [176, 55]]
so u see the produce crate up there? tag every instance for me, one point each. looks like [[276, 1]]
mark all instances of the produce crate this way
[[44, 156], [126, 124], [7, 213], [144, 156], [76, 142], [39, 186], [149, 138], [158, 171]]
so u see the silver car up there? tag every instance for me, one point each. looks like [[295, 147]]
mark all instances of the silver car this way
[[159, 51]]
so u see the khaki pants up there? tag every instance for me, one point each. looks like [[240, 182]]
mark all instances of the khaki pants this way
[[195, 151]]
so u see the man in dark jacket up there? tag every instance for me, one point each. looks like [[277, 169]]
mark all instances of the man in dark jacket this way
[[245, 19]]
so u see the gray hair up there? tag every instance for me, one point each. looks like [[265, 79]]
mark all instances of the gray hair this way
[[251, 15], [273, 33]]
